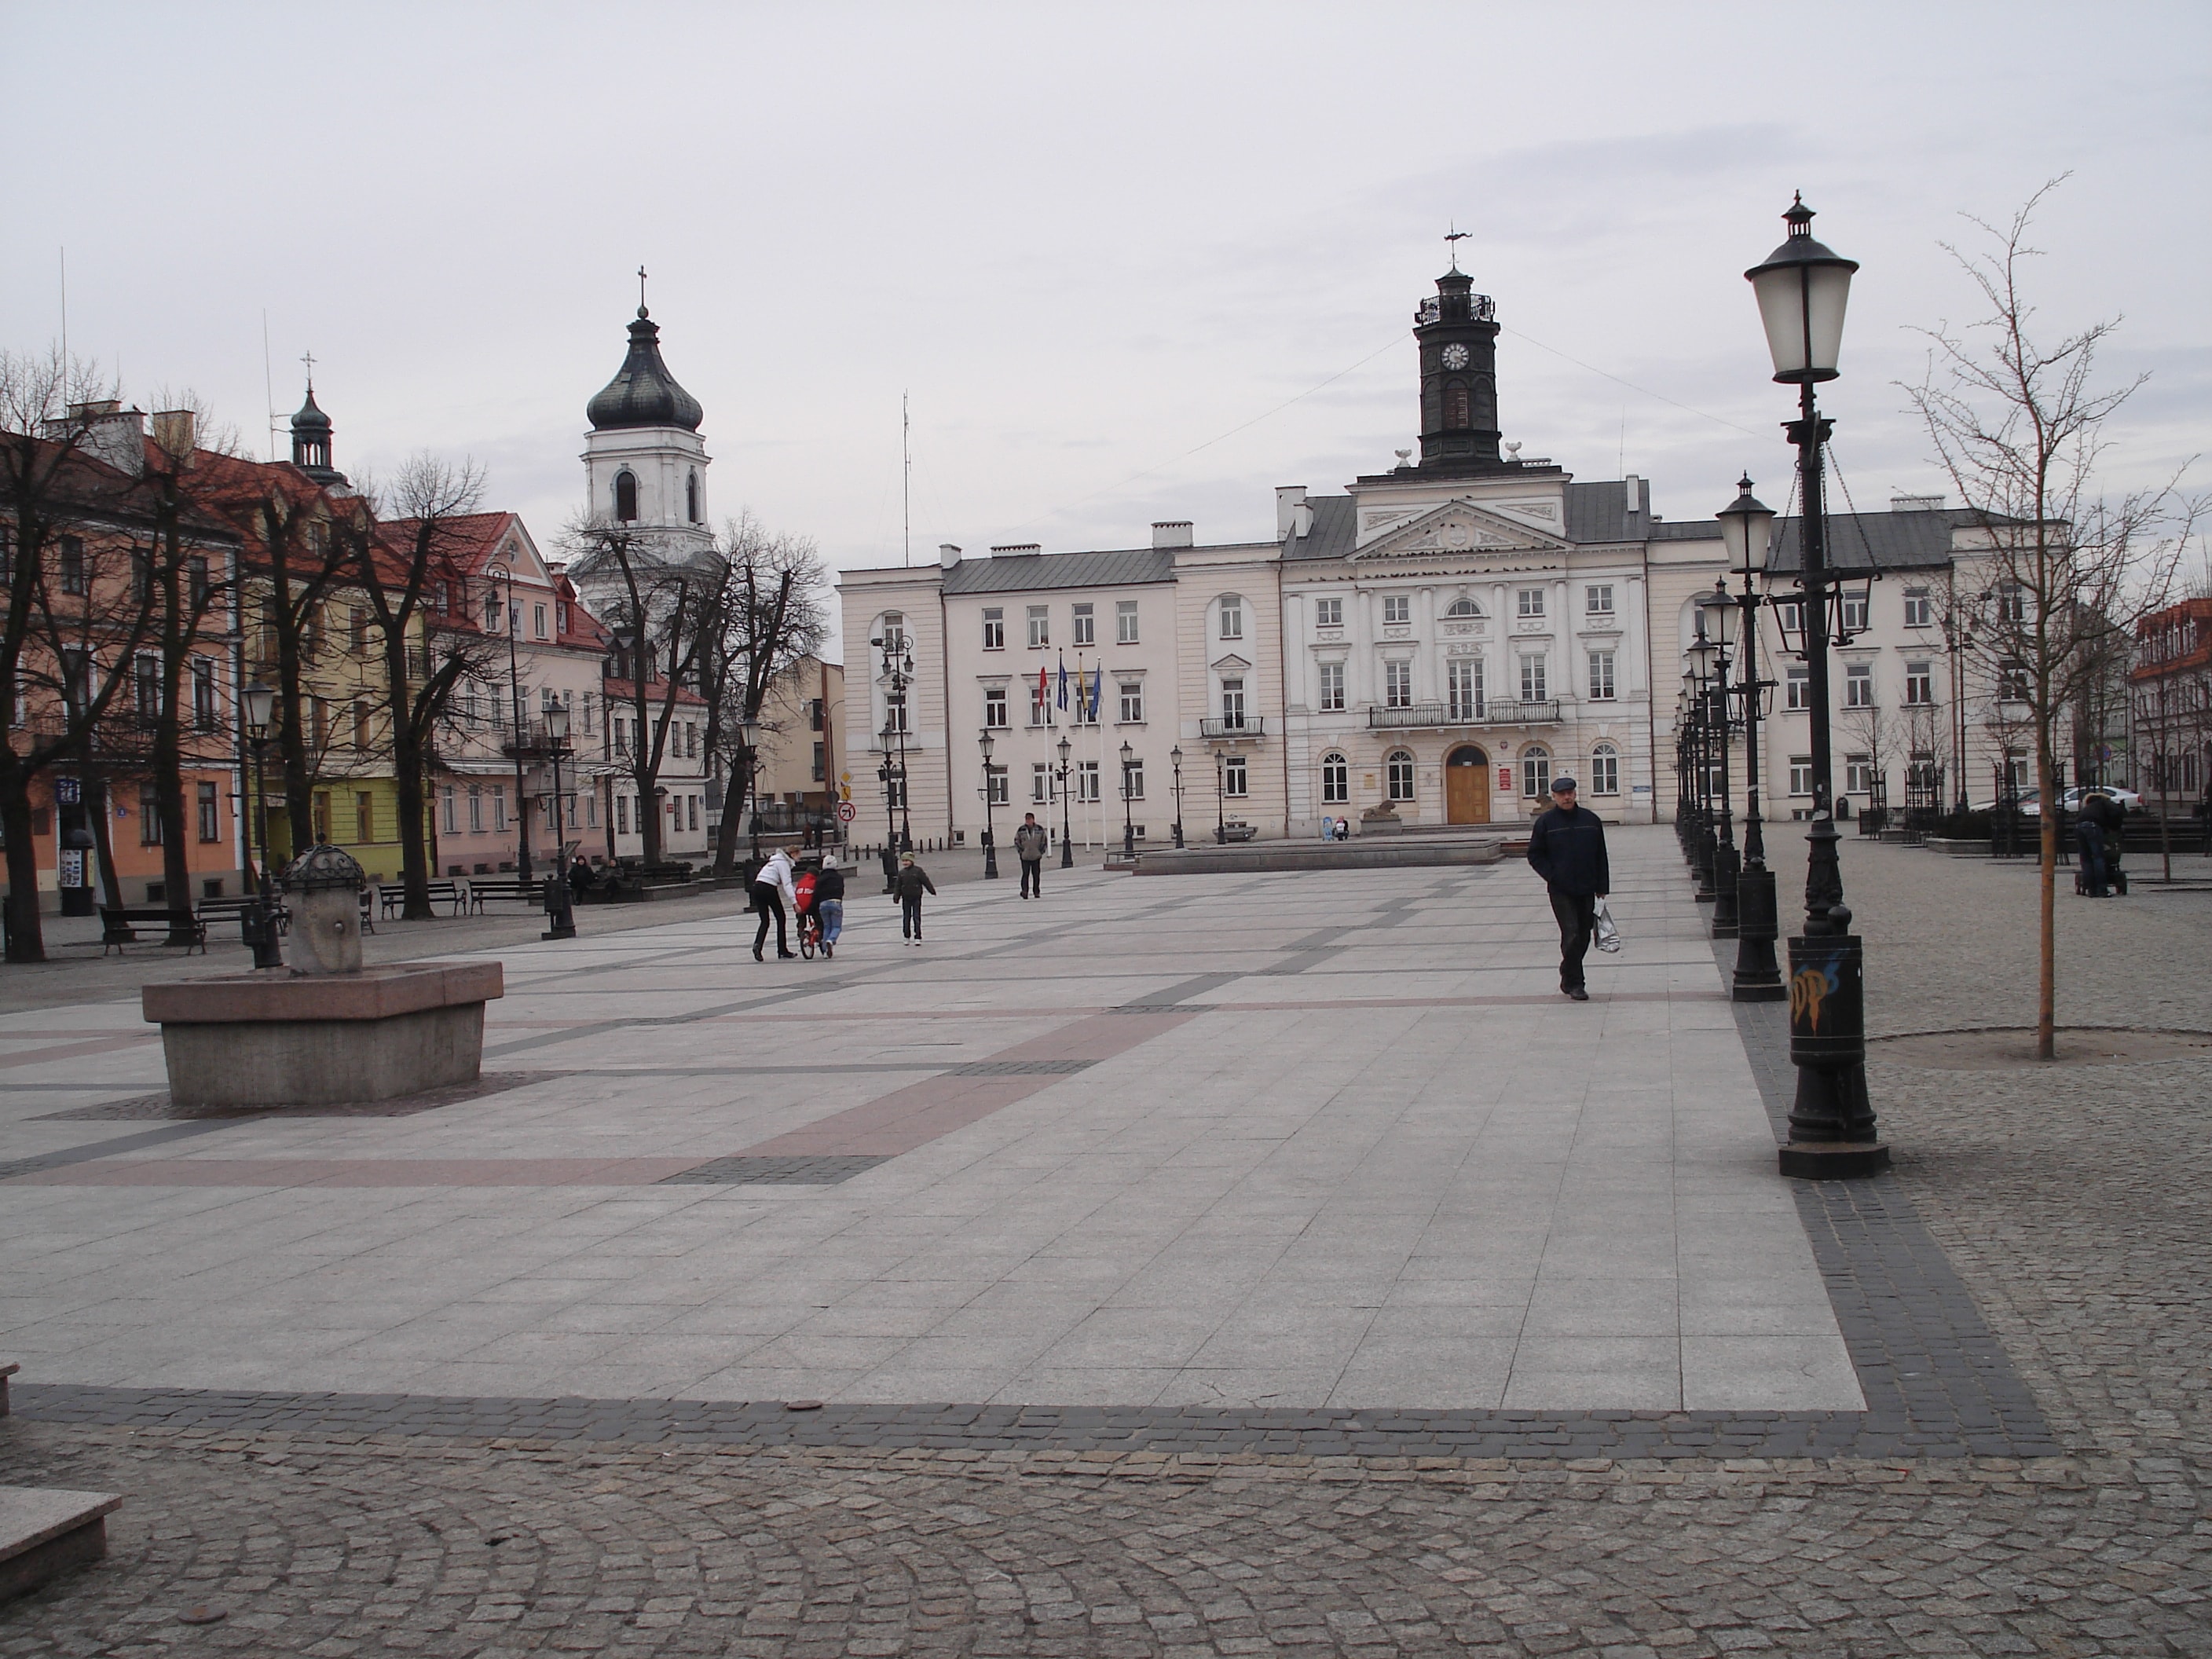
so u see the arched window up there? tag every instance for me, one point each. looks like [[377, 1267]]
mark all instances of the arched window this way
[[1462, 608], [1456, 406], [1535, 772], [1335, 781], [1399, 771], [625, 497], [1605, 771], [691, 498]]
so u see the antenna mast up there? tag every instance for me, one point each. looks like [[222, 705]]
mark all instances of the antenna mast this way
[[268, 384], [906, 481]]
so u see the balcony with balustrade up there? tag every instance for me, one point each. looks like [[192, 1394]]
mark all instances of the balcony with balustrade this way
[[1245, 728], [1491, 712]]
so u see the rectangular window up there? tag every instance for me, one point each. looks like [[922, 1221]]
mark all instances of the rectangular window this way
[[1040, 626], [1124, 621], [997, 784], [1132, 702], [361, 733], [622, 814], [72, 563], [475, 809], [537, 621], [145, 685], [1232, 704], [448, 811], [1858, 774], [1801, 774], [1040, 706], [1859, 685], [196, 576], [1398, 776], [1597, 601], [210, 813], [1235, 780], [1605, 772], [1232, 619], [1040, 783], [1534, 685], [1086, 781], [995, 627], [1535, 775], [1133, 780], [318, 814], [1797, 689], [821, 762], [1335, 781], [994, 708], [1529, 602], [2012, 683], [1463, 679], [357, 628], [1397, 610], [1919, 609], [1332, 685], [1328, 613], [204, 711], [894, 712], [694, 812], [499, 807], [2012, 602], [1855, 613], [1790, 616], [1919, 684], [893, 796], [364, 817], [149, 815], [1397, 685], [561, 616], [1086, 625], [1601, 675]]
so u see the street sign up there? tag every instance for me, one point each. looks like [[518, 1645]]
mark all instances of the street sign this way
[[847, 811], [67, 792]]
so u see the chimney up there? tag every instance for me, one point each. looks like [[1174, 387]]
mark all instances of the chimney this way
[[112, 433], [948, 554], [175, 432], [1638, 500], [1289, 499], [1916, 503], [1171, 532], [1017, 549]]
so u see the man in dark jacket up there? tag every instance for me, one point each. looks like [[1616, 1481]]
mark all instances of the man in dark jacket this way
[[912, 881], [1029, 842], [1566, 846], [2096, 830]]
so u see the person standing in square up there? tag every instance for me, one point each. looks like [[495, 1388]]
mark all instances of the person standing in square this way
[[1030, 844], [1566, 846]]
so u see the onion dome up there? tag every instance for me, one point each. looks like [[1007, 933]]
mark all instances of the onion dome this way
[[644, 393]]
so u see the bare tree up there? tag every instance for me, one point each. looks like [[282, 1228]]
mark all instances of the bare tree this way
[[1873, 735], [396, 569], [74, 614], [2019, 424], [766, 614], [662, 615]]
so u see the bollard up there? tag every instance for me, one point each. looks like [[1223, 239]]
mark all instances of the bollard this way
[[1832, 1124]]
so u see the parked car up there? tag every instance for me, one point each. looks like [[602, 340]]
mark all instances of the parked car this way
[[2030, 801]]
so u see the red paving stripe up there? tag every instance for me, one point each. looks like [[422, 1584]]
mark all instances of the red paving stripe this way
[[76, 1050]]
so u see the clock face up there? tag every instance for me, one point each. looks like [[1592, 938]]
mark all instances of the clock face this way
[[1455, 355]]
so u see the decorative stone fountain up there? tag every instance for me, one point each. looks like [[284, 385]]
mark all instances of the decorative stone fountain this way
[[326, 1030]]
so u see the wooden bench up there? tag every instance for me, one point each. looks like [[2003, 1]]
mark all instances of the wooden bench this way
[[234, 909], [116, 925], [526, 892], [394, 897]]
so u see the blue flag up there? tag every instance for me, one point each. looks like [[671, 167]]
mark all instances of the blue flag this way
[[1063, 682], [1097, 689]]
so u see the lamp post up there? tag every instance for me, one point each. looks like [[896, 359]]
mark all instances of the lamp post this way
[[1718, 610], [1067, 847], [990, 840], [898, 671], [1220, 803], [1748, 530], [506, 573], [890, 772], [749, 751], [1174, 759], [560, 903], [1128, 822], [1802, 288], [1701, 658], [260, 916]]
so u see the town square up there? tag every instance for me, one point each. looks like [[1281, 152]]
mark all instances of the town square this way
[[797, 941]]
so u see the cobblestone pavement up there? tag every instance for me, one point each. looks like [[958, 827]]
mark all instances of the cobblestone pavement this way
[[2070, 1202]]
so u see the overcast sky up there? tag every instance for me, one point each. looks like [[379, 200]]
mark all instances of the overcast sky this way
[[1101, 248]]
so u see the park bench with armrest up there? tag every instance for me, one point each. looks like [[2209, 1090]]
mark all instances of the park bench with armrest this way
[[519, 891], [228, 909], [116, 925], [448, 893]]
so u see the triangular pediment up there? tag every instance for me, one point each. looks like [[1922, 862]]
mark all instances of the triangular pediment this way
[[1231, 662], [1458, 527]]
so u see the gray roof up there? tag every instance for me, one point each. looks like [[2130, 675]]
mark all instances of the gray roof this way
[[1016, 573], [1918, 540], [1335, 528], [1595, 513]]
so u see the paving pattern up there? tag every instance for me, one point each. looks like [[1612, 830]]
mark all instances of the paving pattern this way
[[2061, 1210]]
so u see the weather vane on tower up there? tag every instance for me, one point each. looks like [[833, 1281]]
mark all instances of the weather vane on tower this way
[[308, 358], [1453, 238], [640, 291]]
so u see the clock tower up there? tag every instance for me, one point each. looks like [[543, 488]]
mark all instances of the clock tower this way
[[1458, 334]]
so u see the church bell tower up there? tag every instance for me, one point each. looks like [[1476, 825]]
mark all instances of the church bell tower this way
[[1458, 335]]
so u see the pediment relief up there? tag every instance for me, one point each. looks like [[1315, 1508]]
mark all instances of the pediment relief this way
[[1460, 528]]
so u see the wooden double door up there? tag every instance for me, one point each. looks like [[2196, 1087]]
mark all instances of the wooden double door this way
[[1467, 786]]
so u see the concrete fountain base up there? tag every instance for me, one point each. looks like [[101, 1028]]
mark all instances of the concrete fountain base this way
[[273, 1039]]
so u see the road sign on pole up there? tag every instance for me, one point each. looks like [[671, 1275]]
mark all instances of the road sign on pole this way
[[847, 811]]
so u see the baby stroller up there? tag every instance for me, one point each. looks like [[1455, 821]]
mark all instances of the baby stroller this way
[[808, 920]]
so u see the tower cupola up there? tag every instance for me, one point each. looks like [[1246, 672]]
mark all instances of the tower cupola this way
[[644, 392], [311, 442], [1458, 333]]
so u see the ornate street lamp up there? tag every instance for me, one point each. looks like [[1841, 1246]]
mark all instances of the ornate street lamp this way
[[1716, 620], [749, 732], [560, 903], [1128, 823], [1067, 847], [260, 922], [1174, 759], [1802, 289], [1695, 677], [1220, 803], [506, 573], [990, 843], [890, 772], [1747, 531]]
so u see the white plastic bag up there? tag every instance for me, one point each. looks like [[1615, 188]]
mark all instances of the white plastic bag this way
[[1604, 934]]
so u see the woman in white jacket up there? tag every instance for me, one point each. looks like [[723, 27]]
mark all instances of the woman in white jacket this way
[[774, 896]]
